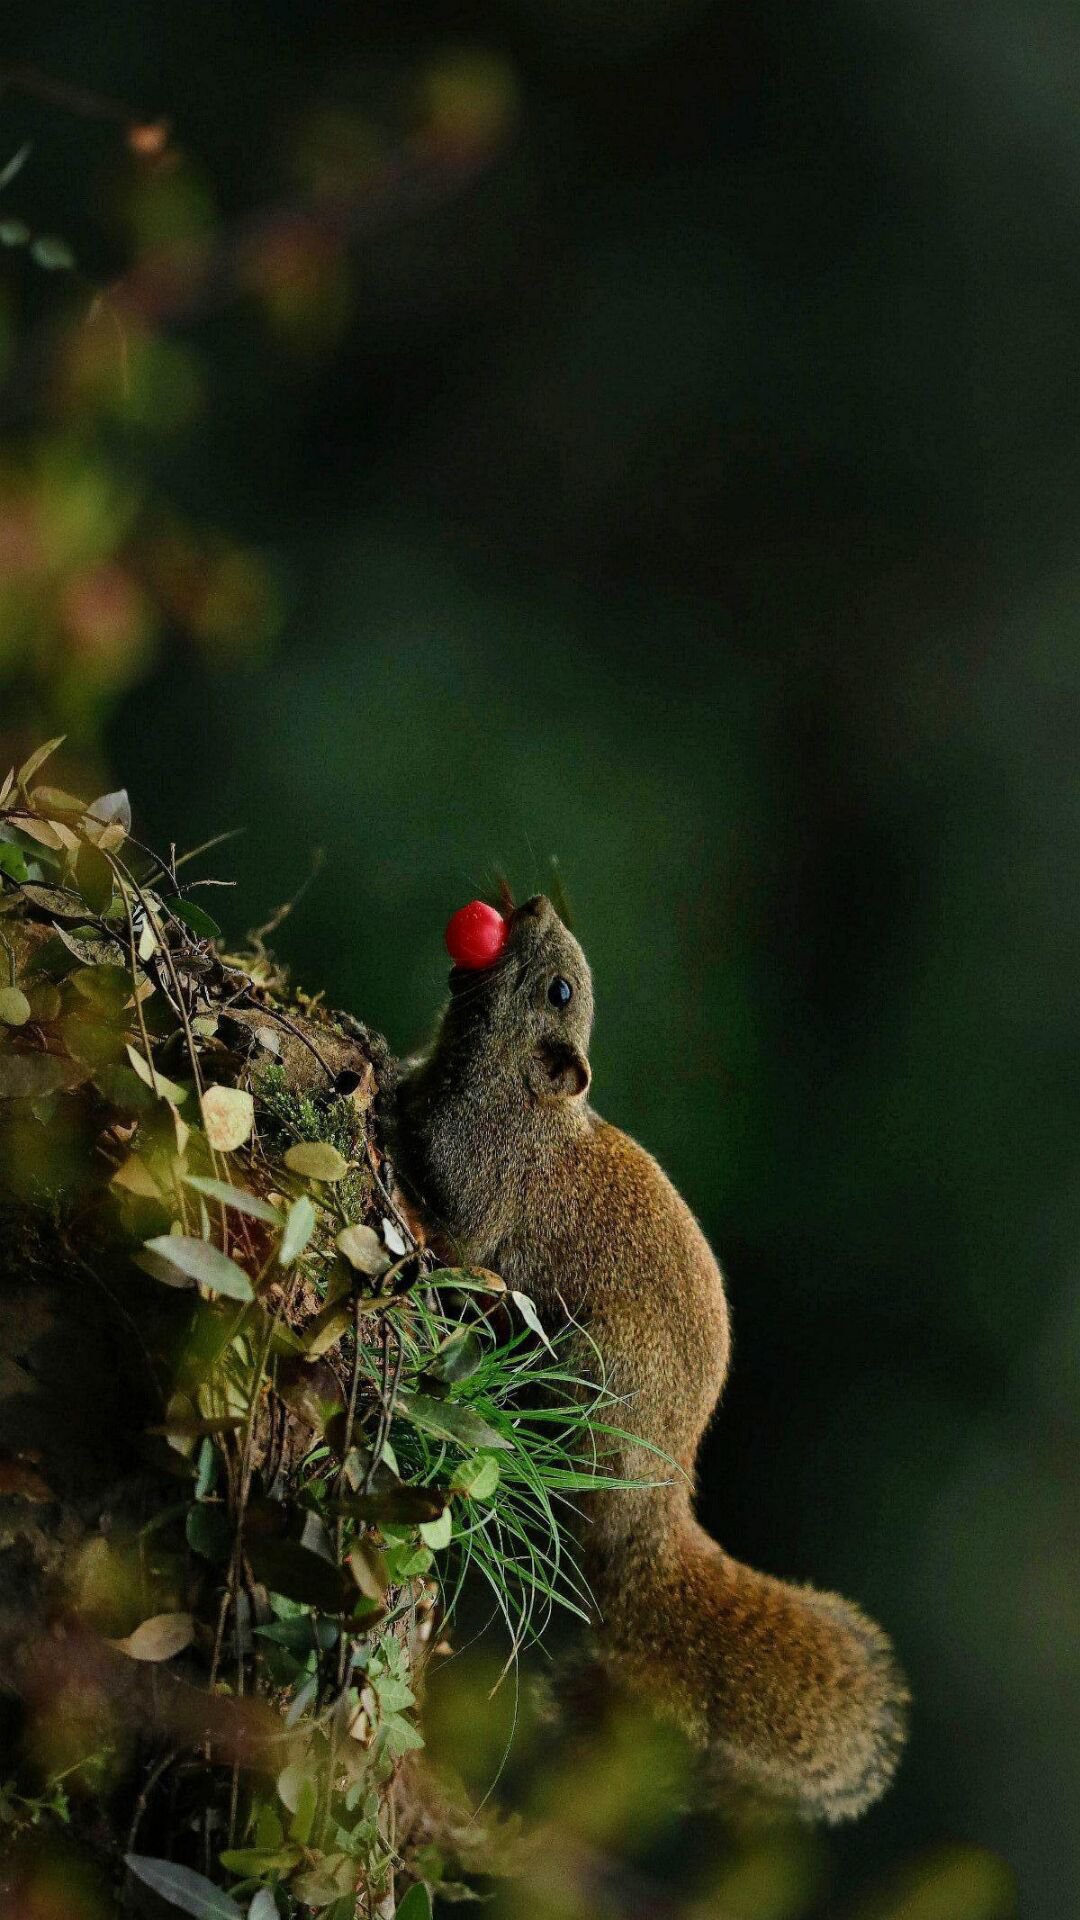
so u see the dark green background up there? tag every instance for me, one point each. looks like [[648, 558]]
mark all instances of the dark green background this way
[[695, 497]]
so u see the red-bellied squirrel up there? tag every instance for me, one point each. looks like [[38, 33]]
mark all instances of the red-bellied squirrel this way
[[793, 1693]]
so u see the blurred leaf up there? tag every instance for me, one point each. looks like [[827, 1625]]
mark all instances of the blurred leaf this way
[[302, 1634], [263, 1906], [14, 233], [159, 1638], [52, 253], [201, 1261], [157, 1082], [253, 1862], [399, 1506], [228, 1116], [14, 1007], [237, 1197], [448, 1420], [21, 1481], [183, 1888], [303, 1819], [107, 987], [31, 1076], [294, 1571], [299, 1227], [94, 874], [416, 1904], [316, 1160], [15, 165], [209, 1532]]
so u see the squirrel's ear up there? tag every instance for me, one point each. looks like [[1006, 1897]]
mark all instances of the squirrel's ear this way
[[559, 1071]]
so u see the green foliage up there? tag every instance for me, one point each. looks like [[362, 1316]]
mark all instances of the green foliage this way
[[434, 1432]]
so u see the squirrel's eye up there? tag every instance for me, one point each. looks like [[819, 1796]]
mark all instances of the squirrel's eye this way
[[560, 992]]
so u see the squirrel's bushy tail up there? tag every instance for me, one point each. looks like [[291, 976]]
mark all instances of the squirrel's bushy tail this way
[[794, 1694]]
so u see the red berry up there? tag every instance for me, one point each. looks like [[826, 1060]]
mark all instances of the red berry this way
[[476, 935]]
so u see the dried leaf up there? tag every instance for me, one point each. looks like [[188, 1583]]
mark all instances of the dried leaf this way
[[38, 758], [200, 1260], [530, 1316], [327, 1329], [228, 1116], [159, 1638], [316, 1160], [393, 1238]]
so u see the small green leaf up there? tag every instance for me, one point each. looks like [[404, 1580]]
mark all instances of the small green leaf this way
[[236, 1197], [437, 1534], [457, 1358], [299, 1227], [13, 862], [416, 1904], [191, 1892], [52, 253], [476, 1479], [195, 918], [14, 233], [316, 1160], [200, 1260]]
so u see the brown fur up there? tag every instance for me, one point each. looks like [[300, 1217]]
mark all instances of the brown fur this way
[[793, 1693]]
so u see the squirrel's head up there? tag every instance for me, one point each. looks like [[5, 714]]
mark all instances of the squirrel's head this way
[[531, 1010]]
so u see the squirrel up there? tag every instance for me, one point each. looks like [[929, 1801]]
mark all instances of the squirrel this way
[[793, 1694]]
